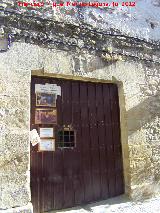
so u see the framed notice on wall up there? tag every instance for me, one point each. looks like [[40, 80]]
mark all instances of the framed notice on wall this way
[[46, 145], [46, 116], [45, 99], [46, 132]]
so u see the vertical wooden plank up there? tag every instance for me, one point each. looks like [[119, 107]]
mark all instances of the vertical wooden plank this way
[[67, 153], [47, 180], [51, 180], [36, 157], [39, 181], [58, 178], [116, 139], [57, 172], [78, 181], [68, 178], [42, 185], [66, 102], [94, 145], [85, 140], [109, 141], [59, 108], [102, 140], [34, 185]]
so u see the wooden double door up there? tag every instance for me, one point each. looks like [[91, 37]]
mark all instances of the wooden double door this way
[[90, 167]]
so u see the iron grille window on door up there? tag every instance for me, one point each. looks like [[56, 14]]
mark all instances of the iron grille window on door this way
[[66, 138]]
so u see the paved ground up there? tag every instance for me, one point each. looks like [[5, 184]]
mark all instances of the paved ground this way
[[118, 205]]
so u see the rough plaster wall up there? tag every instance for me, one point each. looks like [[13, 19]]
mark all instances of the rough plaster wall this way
[[142, 21], [139, 88], [15, 75]]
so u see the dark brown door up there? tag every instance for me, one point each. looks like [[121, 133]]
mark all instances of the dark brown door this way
[[88, 166]]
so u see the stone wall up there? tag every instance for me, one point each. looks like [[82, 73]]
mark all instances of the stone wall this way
[[139, 87], [134, 22]]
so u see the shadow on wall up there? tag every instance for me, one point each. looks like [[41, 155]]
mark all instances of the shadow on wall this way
[[143, 113]]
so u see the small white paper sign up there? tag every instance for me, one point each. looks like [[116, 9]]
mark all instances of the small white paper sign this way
[[46, 133], [47, 145], [54, 88], [48, 88], [34, 137]]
